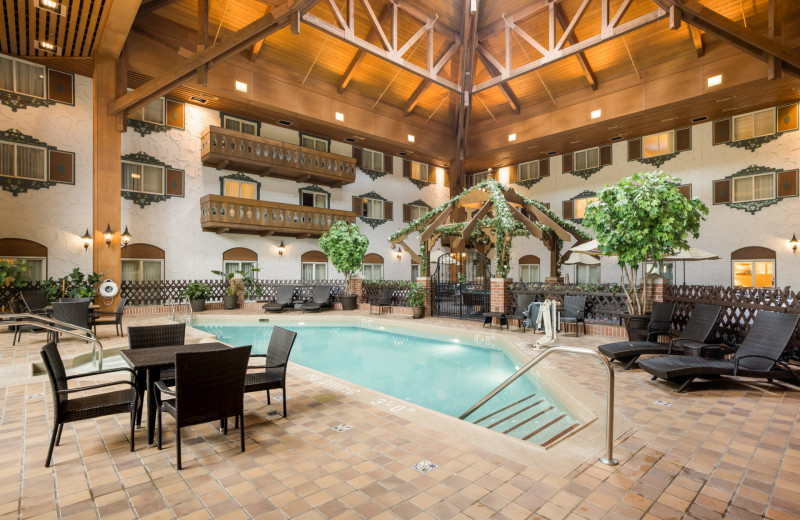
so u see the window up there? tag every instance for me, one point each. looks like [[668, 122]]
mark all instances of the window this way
[[153, 112], [231, 266], [142, 270], [665, 269], [313, 199], [754, 187], [586, 159], [314, 271], [580, 206], [142, 178], [528, 273], [240, 125], [240, 189], [658, 144], [22, 161], [315, 143], [419, 171], [754, 124], [587, 273], [528, 171], [414, 272], [372, 160], [36, 266], [479, 177], [754, 273], [373, 208], [416, 212], [22, 77], [372, 271]]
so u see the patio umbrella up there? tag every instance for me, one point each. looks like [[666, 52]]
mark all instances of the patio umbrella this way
[[690, 255], [579, 258], [591, 247]]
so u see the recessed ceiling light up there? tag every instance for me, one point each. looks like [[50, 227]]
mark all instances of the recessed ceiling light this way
[[51, 6], [47, 47], [713, 81], [551, 153], [285, 122], [410, 138], [339, 116], [617, 138], [402, 154], [241, 86], [596, 113], [700, 119], [512, 137]]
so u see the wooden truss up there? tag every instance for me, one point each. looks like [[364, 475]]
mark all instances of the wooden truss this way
[[555, 49], [387, 46]]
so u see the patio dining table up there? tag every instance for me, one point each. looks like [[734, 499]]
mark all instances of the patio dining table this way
[[153, 360]]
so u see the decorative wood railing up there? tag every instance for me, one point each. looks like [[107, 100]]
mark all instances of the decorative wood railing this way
[[259, 217], [601, 307], [229, 150], [370, 290]]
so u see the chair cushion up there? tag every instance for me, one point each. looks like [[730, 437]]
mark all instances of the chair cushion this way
[[273, 307], [625, 349], [98, 405], [671, 367]]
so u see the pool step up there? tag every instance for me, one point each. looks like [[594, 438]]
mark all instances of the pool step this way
[[531, 419]]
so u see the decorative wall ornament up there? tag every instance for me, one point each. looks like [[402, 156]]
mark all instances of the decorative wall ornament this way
[[316, 189], [528, 183], [145, 127], [418, 183], [582, 195], [658, 160], [754, 143], [585, 174], [239, 176], [141, 157], [373, 222], [419, 202], [17, 101], [753, 205], [145, 199], [17, 185], [373, 174]]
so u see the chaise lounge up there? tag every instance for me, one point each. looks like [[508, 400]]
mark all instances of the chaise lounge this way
[[283, 299], [321, 298]]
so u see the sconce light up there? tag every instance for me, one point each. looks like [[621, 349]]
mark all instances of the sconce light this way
[[399, 253], [281, 249], [125, 238], [108, 234], [87, 240], [793, 243]]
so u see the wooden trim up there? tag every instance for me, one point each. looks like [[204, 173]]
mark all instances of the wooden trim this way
[[21, 247], [143, 252], [753, 253], [241, 254], [372, 258], [314, 256], [529, 260]]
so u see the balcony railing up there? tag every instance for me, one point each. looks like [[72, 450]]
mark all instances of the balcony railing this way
[[259, 217], [229, 150]]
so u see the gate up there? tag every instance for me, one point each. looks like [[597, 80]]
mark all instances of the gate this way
[[461, 285]]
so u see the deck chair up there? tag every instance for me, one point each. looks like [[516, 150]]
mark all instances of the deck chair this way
[[696, 332], [384, 300], [574, 312], [321, 298], [758, 356], [35, 301], [283, 299]]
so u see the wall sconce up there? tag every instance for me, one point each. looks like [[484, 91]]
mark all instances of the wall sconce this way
[[125, 238], [399, 253], [793, 243], [108, 234], [281, 249], [87, 240]]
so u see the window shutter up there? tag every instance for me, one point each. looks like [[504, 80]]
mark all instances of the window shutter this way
[[722, 131], [787, 118], [566, 162], [686, 190], [62, 166], [787, 184], [387, 210], [634, 149], [175, 110], [387, 163], [358, 206], [683, 139], [175, 182], [513, 176], [605, 155], [60, 86], [406, 168], [357, 155], [544, 167], [431, 174], [722, 191], [566, 209], [406, 213], [447, 177]]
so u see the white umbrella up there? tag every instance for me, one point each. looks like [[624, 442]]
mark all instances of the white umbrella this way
[[591, 247], [690, 255], [578, 258]]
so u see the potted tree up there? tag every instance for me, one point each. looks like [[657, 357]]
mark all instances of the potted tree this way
[[244, 281], [642, 218], [345, 245], [197, 293], [231, 288], [416, 300], [12, 276]]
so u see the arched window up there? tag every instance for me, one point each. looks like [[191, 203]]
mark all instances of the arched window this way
[[314, 266], [753, 267], [239, 259], [16, 249], [529, 269], [142, 263], [372, 266]]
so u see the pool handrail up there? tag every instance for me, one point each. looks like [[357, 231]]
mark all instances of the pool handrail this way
[[609, 458], [44, 322]]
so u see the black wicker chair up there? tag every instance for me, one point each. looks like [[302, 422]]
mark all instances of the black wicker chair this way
[[757, 356], [660, 320], [70, 409], [36, 302], [272, 376], [154, 336], [209, 386], [700, 324], [16, 308], [283, 299], [73, 313], [115, 318], [574, 311], [384, 300], [518, 313], [321, 298], [73, 300]]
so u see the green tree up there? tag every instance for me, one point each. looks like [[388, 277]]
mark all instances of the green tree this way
[[345, 246], [643, 217]]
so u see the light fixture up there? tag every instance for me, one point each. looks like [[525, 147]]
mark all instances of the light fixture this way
[[596, 113], [47, 45], [793, 243], [512, 137], [410, 138], [108, 234], [281, 249], [50, 6], [399, 253], [87, 240], [339, 116], [713, 81], [125, 237], [136, 176], [241, 86]]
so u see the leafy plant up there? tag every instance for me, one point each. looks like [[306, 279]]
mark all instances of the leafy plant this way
[[197, 291], [230, 289], [248, 283], [643, 218], [13, 273], [75, 285], [416, 295], [345, 245]]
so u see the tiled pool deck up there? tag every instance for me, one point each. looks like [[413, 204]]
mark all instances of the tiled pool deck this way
[[724, 450]]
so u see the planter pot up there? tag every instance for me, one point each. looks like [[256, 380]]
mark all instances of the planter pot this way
[[348, 301], [197, 305], [636, 325], [229, 301], [418, 312]]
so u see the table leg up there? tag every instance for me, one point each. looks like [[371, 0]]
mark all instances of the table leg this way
[[153, 375]]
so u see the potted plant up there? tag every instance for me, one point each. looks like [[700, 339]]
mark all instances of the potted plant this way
[[12, 275], [416, 300], [230, 296], [197, 293], [642, 218], [345, 245]]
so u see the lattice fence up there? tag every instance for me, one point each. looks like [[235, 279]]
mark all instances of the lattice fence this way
[[601, 307], [375, 290], [10, 293]]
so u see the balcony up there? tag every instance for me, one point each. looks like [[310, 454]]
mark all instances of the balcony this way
[[259, 217], [226, 149]]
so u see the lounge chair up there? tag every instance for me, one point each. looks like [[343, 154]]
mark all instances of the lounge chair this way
[[519, 313], [696, 332], [385, 300], [283, 299], [574, 312], [35, 301], [321, 298], [757, 356]]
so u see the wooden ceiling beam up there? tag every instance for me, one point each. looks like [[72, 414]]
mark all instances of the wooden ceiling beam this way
[[561, 17], [376, 25], [245, 37], [423, 18], [256, 46], [118, 22], [532, 7], [458, 175], [467, 231], [202, 39], [152, 5], [361, 54], [505, 88], [412, 101], [697, 40], [438, 221]]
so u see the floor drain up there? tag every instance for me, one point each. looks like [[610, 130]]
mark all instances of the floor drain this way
[[325, 398]]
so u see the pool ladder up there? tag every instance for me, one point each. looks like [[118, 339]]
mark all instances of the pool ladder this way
[[189, 316], [609, 457]]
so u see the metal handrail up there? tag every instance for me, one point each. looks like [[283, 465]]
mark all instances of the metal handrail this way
[[49, 324], [609, 458]]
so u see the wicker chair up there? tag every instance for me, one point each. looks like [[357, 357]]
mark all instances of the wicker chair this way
[[385, 300], [154, 336], [115, 319], [209, 386], [574, 310], [16, 308], [66, 409], [74, 313], [518, 313], [283, 299], [321, 298], [273, 375], [35, 301], [73, 300]]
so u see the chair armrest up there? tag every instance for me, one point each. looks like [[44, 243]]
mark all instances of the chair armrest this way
[[112, 313], [162, 387], [277, 366], [92, 387], [258, 355], [98, 372]]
